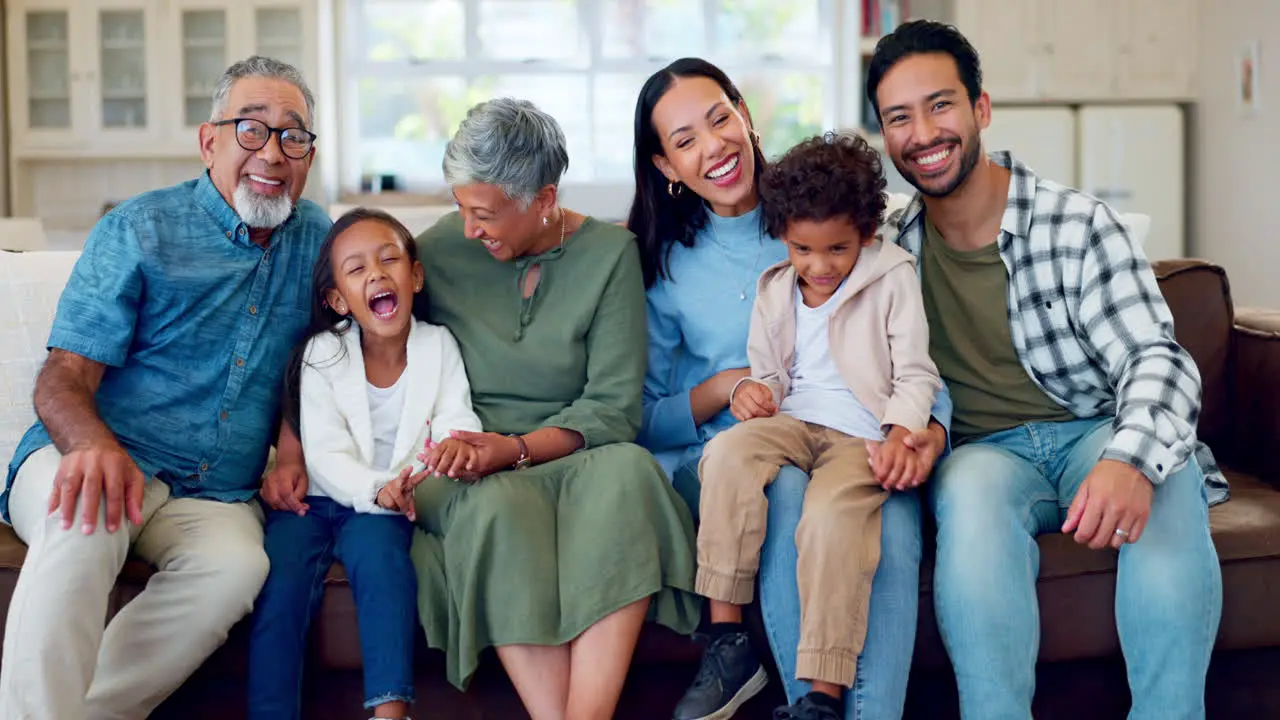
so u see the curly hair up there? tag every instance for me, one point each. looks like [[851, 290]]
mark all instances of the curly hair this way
[[827, 176]]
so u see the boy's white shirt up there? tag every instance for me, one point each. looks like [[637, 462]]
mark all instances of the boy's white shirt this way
[[337, 433]]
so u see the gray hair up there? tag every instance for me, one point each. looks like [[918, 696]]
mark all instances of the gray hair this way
[[509, 143], [259, 66]]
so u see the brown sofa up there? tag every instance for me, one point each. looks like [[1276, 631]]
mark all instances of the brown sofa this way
[[1081, 673]]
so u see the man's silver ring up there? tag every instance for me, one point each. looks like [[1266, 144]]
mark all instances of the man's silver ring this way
[[1122, 533]]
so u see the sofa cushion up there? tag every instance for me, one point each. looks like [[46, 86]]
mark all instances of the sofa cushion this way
[[1257, 392], [1076, 588], [1200, 298], [30, 284]]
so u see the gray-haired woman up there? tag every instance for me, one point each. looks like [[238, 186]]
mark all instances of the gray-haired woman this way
[[564, 537]]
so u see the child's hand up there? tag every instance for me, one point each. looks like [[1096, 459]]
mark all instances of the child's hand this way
[[450, 457], [752, 400], [926, 445], [895, 465], [397, 495]]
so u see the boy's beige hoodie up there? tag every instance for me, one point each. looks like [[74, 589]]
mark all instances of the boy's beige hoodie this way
[[879, 337]]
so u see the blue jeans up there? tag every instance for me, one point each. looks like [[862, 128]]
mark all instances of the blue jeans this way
[[880, 688], [992, 497], [374, 551]]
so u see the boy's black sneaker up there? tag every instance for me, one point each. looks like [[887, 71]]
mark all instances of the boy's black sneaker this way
[[806, 709], [729, 676]]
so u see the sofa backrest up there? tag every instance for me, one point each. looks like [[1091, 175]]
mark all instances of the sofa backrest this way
[[1200, 298], [30, 284]]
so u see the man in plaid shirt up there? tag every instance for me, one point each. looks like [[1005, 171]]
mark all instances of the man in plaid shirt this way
[[1075, 409]]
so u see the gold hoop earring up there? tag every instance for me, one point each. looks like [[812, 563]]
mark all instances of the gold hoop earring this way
[[675, 189]]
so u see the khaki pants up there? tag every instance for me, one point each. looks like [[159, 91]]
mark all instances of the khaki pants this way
[[59, 662], [838, 539]]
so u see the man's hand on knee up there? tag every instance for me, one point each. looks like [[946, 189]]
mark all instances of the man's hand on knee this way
[[96, 472], [1111, 507]]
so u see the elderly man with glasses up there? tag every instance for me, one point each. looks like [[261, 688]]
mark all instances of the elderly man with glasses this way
[[157, 406]]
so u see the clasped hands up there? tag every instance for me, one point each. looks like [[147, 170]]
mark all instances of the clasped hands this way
[[464, 456], [902, 461]]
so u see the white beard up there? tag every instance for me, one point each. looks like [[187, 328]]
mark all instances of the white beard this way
[[261, 211]]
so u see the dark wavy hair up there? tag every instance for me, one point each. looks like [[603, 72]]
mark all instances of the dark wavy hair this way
[[920, 37], [825, 177], [657, 219], [323, 317]]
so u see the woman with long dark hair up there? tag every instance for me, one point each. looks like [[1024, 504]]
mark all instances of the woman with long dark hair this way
[[697, 220]]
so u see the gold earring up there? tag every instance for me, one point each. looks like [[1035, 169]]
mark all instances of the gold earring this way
[[755, 137], [675, 189]]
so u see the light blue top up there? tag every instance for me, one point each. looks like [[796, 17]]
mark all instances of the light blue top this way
[[195, 324], [698, 326]]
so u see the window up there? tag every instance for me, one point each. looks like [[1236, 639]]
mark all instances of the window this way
[[414, 67]]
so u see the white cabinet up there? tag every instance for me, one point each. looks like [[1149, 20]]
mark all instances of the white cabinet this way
[[212, 34], [280, 30], [1082, 50], [1157, 55], [1131, 157], [82, 75], [134, 78], [122, 78], [42, 102], [998, 30], [1076, 57], [203, 31]]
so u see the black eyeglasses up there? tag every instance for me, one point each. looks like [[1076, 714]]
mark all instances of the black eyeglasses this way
[[253, 135]]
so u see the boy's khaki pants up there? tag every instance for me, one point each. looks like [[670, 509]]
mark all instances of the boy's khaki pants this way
[[60, 662], [838, 539]]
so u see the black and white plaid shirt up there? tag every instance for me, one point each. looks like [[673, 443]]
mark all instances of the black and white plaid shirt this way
[[1089, 323]]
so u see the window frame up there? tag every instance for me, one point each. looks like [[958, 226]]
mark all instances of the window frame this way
[[606, 197]]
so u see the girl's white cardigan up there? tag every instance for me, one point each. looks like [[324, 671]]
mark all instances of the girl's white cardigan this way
[[337, 436]]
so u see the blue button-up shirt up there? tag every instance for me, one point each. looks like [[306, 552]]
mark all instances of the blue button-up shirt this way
[[195, 324]]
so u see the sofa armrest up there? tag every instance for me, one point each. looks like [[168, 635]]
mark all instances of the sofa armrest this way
[[1257, 389]]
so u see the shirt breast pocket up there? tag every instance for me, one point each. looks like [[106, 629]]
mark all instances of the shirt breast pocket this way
[[1052, 330]]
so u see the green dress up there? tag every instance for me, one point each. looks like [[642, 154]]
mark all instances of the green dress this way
[[537, 556]]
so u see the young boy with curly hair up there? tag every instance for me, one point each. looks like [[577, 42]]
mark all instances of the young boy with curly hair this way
[[840, 375]]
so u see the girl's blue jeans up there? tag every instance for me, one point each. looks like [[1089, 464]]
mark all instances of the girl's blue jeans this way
[[374, 551]]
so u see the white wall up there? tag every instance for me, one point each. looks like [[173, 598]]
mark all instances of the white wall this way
[[1234, 204], [4, 112]]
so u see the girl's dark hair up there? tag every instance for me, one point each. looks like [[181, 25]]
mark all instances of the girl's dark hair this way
[[657, 219], [326, 319]]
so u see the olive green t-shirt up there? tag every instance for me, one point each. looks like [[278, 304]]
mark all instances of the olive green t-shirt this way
[[969, 340]]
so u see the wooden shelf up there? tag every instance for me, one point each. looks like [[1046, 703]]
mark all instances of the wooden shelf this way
[[48, 45], [105, 153], [124, 44], [203, 43]]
